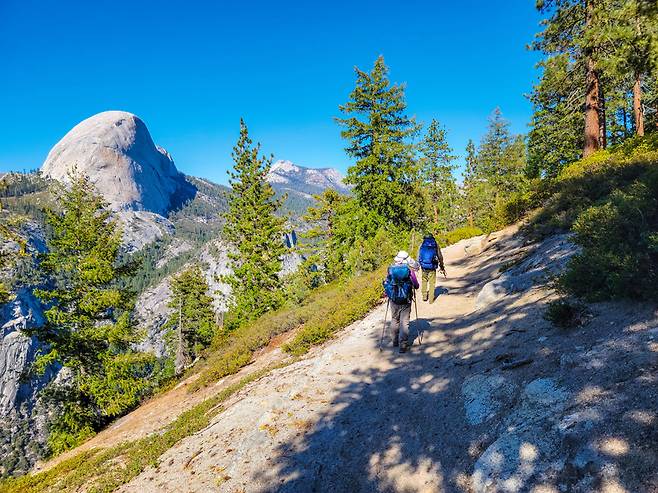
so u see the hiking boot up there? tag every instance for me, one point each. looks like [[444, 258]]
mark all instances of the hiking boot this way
[[425, 298], [404, 348], [396, 343]]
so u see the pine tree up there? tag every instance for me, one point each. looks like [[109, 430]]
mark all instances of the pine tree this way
[[255, 232], [470, 180], [437, 175], [497, 172], [556, 136], [378, 130], [492, 165], [610, 51], [634, 29], [88, 326], [193, 317], [515, 165], [578, 28], [322, 214], [322, 249]]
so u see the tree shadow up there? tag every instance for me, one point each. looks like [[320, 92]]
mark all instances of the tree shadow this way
[[439, 291]]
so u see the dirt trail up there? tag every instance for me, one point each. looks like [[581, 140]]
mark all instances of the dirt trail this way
[[495, 399], [348, 417]]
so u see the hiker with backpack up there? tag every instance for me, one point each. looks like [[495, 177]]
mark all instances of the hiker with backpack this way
[[399, 285], [430, 259]]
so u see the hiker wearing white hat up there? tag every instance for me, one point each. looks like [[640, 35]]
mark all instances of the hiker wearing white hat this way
[[399, 286], [403, 257]]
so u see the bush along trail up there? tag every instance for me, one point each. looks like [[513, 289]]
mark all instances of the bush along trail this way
[[495, 399]]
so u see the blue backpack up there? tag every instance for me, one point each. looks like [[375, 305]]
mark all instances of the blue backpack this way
[[398, 285], [428, 255]]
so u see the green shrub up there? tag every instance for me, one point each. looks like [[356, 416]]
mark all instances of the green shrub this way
[[590, 181], [609, 201], [345, 303], [619, 256], [565, 314]]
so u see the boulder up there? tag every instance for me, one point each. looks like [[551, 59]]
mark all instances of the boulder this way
[[549, 259], [528, 446], [485, 396]]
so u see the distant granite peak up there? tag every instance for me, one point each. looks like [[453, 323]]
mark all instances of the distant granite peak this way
[[307, 181], [116, 151]]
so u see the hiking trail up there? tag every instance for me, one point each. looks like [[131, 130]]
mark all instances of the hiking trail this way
[[495, 398]]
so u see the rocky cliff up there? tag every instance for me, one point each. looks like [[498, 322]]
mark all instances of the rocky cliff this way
[[116, 151], [22, 418]]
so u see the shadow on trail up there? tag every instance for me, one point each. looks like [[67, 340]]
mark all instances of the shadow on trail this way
[[404, 429], [438, 291]]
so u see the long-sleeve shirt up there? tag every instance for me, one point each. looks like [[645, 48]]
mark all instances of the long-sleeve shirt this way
[[414, 279]]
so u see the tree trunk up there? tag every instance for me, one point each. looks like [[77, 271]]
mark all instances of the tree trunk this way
[[592, 124], [603, 129], [181, 360], [637, 105]]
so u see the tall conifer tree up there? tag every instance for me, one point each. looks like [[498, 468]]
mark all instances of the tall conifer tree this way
[[193, 317], [88, 318], [634, 31], [578, 28], [556, 136], [378, 133], [471, 179], [492, 152], [256, 233], [437, 174]]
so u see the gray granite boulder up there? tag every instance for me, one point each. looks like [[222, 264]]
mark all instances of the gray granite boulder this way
[[550, 258]]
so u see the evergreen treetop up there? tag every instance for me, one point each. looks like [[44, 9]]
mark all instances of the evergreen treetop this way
[[255, 232], [437, 168], [378, 133]]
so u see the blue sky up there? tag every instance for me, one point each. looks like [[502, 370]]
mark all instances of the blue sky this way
[[191, 69]]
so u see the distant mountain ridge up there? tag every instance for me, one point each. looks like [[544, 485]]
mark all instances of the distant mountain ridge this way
[[287, 175], [300, 183]]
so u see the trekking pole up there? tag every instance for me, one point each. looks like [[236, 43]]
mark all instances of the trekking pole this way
[[381, 339], [418, 331]]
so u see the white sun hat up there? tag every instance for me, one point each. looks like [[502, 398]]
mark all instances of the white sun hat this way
[[401, 257], [404, 258]]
